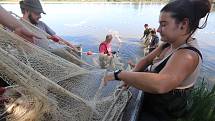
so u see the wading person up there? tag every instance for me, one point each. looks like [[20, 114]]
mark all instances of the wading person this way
[[146, 31], [105, 52], [154, 41], [169, 82], [146, 36]]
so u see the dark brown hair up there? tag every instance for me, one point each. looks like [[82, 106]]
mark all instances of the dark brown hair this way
[[145, 25], [109, 37], [193, 10]]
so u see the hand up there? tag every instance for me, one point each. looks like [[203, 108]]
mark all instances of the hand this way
[[54, 38], [108, 77], [131, 64], [21, 31], [124, 85]]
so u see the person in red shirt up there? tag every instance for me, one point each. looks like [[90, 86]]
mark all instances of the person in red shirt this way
[[105, 51], [105, 46]]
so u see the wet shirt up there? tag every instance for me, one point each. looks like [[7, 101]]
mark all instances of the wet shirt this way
[[105, 48], [146, 32], [154, 41], [40, 42]]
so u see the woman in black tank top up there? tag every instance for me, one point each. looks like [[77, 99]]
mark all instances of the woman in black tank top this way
[[165, 90]]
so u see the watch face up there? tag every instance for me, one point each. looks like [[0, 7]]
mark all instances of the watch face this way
[[116, 74], [116, 71]]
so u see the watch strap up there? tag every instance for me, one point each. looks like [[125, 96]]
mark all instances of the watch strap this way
[[116, 73]]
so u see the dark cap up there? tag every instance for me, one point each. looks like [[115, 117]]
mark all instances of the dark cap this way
[[145, 25], [32, 5]]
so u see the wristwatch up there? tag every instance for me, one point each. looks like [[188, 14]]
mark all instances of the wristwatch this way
[[116, 73]]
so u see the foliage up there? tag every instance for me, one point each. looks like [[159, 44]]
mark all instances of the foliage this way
[[202, 104]]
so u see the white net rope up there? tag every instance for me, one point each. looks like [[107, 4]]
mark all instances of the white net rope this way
[[48, 64], [52, 88]]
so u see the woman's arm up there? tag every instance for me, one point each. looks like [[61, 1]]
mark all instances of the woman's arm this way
[[178, 68]]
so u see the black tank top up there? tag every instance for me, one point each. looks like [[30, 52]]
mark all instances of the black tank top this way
[[171, 105]]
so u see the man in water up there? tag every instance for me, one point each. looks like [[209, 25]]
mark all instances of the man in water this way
[[105, 46], [154, 41], [105, 51], [146, 31], [146, 36]]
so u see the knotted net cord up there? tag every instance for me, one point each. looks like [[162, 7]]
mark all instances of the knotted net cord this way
[[52, 88]]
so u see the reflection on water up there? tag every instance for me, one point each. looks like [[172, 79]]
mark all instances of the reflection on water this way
[[88, 23]]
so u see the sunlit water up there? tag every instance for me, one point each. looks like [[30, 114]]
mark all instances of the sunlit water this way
[[88, 23]]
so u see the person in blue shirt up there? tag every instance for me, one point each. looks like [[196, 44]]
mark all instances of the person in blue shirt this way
[[154, 41], [31, 10]]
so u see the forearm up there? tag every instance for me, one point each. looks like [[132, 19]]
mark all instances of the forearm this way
[[8, 20], [149, 82]]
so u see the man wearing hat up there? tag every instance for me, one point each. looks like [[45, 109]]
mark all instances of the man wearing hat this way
[[31, 10]]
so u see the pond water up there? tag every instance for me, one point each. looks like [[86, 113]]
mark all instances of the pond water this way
[[88, 23]]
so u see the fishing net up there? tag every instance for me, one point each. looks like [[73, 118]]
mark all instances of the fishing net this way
[[87, 61], [110, 62], [59, 48], [63, 50], [47, 87]]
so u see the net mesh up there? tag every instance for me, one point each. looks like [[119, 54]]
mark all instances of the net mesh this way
[[52, 88], [59, 49], [88, 62]]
